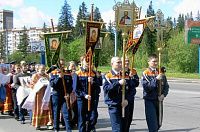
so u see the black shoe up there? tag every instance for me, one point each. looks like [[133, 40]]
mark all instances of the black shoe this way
[[22, 122], [38, 128], [16, 117]]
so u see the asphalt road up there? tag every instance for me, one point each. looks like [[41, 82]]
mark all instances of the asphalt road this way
[[181, 112]]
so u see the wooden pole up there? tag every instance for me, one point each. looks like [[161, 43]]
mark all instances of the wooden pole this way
[[132, 61], [160, 88], [90, 63], [89, 83], [124, 34], [64, 86], [52, 25], [63, 80]]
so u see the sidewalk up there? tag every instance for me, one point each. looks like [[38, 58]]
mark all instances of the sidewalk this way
[[184, 80]]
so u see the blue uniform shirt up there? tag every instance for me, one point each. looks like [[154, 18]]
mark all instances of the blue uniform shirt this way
[[151, 84], [80, 83], [57, 84], [113, 90]]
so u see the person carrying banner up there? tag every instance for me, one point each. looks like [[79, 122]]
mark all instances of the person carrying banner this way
[[73, 102], [112, 86], [80, 86], [3, 93], [39, 100], [14, 91], [7, 104], [132, 75], [94, 114], [58, 95], [150, 84], [17, 84]]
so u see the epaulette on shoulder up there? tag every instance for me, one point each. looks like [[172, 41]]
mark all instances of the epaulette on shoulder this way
[[79, 71], [146, 70], [54, 71]]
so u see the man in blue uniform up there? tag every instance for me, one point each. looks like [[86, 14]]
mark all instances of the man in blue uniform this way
[[112, 86], [80, 86], [150, 83], [133, 75], [58, 95]]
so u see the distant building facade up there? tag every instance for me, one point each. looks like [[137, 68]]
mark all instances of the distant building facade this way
[[13, 34]]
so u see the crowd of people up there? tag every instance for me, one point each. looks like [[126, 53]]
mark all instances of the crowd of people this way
[[60, 95]]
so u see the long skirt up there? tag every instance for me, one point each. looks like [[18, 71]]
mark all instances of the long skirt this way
[[41, 117], [7, 104]]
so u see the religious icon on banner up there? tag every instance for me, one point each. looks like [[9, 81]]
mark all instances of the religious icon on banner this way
[[5, 68], [138, 31], [54, 42], [125, 17], [93, 34], [25, 81], [99, 43]]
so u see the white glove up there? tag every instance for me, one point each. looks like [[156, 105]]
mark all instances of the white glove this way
[[122, 82], [90, 79], [159, 77], [161, 98], [88, 97]]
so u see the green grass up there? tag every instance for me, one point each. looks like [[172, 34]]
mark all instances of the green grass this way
[[105, 69]]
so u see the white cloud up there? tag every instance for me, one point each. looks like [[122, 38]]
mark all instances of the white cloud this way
[[74, 14], [31, 17], [186, 6], [170, 3], [108, 16], [11, 3]]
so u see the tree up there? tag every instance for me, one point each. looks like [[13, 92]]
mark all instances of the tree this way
[[97, 15], [174, 23], [44, 29], [184, 58], [82, 14], [2, 46], [65, 22], [150, 37], [150, 10], [24, 46], [191, 16], [180, 22], [198, 16], [110, 29]]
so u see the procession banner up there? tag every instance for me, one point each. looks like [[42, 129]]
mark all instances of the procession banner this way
[[4, 68], [92, 35], [136, 35], [52, 46]]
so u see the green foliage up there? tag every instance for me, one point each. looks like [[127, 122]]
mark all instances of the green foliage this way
[[107, 52], [65, 22], [74, 50], [82, 14], [182, 56], [24, 42], [97, 15], [180, 22], [18, 56]]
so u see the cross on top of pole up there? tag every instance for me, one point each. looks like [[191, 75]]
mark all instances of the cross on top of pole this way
[[159, 24]]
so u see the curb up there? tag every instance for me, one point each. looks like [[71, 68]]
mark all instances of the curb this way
[[183, 80]]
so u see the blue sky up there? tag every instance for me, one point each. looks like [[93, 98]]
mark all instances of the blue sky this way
[[33, 13]]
